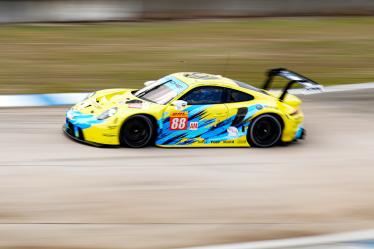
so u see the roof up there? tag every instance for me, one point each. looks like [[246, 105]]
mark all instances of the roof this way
[[192, 78]]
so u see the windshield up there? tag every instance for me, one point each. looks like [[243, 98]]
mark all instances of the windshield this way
[[162, 91]]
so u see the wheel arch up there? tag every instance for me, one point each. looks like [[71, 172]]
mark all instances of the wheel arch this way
[[272, 114], [277, 115], [151, 117]]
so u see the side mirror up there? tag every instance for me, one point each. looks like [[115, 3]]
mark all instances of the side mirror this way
[[179, 104], [150, 82]]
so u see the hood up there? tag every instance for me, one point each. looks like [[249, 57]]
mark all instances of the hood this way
[[105, 99]]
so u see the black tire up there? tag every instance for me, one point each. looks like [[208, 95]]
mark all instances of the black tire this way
[[137, 131], [264, 131]]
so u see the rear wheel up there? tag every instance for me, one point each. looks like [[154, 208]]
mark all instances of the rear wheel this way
[[264, 131], [137, 131]]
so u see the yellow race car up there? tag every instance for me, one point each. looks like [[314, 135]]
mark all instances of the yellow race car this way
[[191, 110]]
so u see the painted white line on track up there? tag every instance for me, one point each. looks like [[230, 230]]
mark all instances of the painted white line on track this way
[[339, 239], [53, 99], [337, 88], [350, 87]]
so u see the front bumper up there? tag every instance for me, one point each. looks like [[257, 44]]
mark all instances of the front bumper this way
[[300, 134], [80, 139], [100, 135]]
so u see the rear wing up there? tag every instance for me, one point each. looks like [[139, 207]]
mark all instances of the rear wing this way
[[308, 84]]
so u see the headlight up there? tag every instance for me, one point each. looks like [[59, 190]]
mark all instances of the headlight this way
[[69, 115], [89, 96], [108, 113]]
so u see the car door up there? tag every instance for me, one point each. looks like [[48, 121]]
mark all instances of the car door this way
[[198, 122], [240, 107]]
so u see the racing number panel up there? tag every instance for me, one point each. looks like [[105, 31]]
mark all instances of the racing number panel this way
[[213, 114]]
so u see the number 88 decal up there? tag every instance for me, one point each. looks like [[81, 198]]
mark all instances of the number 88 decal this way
[[178, 121]]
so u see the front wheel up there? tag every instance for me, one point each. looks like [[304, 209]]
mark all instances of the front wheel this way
[[136, 132], [264, 131]]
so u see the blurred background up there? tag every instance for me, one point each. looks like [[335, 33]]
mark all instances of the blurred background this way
[[58, 194], [80, 45]]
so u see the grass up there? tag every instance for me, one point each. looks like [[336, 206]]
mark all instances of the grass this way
[[85, 57]]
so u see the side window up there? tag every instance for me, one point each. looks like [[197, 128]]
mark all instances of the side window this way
[[206, 95], [237, 96]]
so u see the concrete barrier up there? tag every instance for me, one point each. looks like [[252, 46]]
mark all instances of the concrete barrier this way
[[68, 10], [106, 10]]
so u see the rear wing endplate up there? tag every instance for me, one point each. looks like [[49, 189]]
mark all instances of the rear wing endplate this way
[[308, 84]]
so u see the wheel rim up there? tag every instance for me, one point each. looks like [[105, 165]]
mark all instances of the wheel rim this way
[[266, 131], [137, 132]]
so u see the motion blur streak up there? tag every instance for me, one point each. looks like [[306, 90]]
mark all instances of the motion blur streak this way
[[60, 194], [58, 99], [352, 240], [22, 100], [103, 10], [50, 58]]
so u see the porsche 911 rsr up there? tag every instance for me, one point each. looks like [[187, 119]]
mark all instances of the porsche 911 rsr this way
[[192, 110]]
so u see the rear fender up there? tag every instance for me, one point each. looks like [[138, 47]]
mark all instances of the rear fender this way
[[289, 125]]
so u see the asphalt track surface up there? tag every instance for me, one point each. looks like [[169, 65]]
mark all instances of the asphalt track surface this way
[[56, 193]]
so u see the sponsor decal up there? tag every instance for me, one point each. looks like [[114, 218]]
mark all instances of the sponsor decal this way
[[215, 142], [85, 104], [202, 76], [178, 120], [133, 101], [232, 131], [135, 105], [200, 141], [229, 142], [290, 76], [194, 126], [110, 135]]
